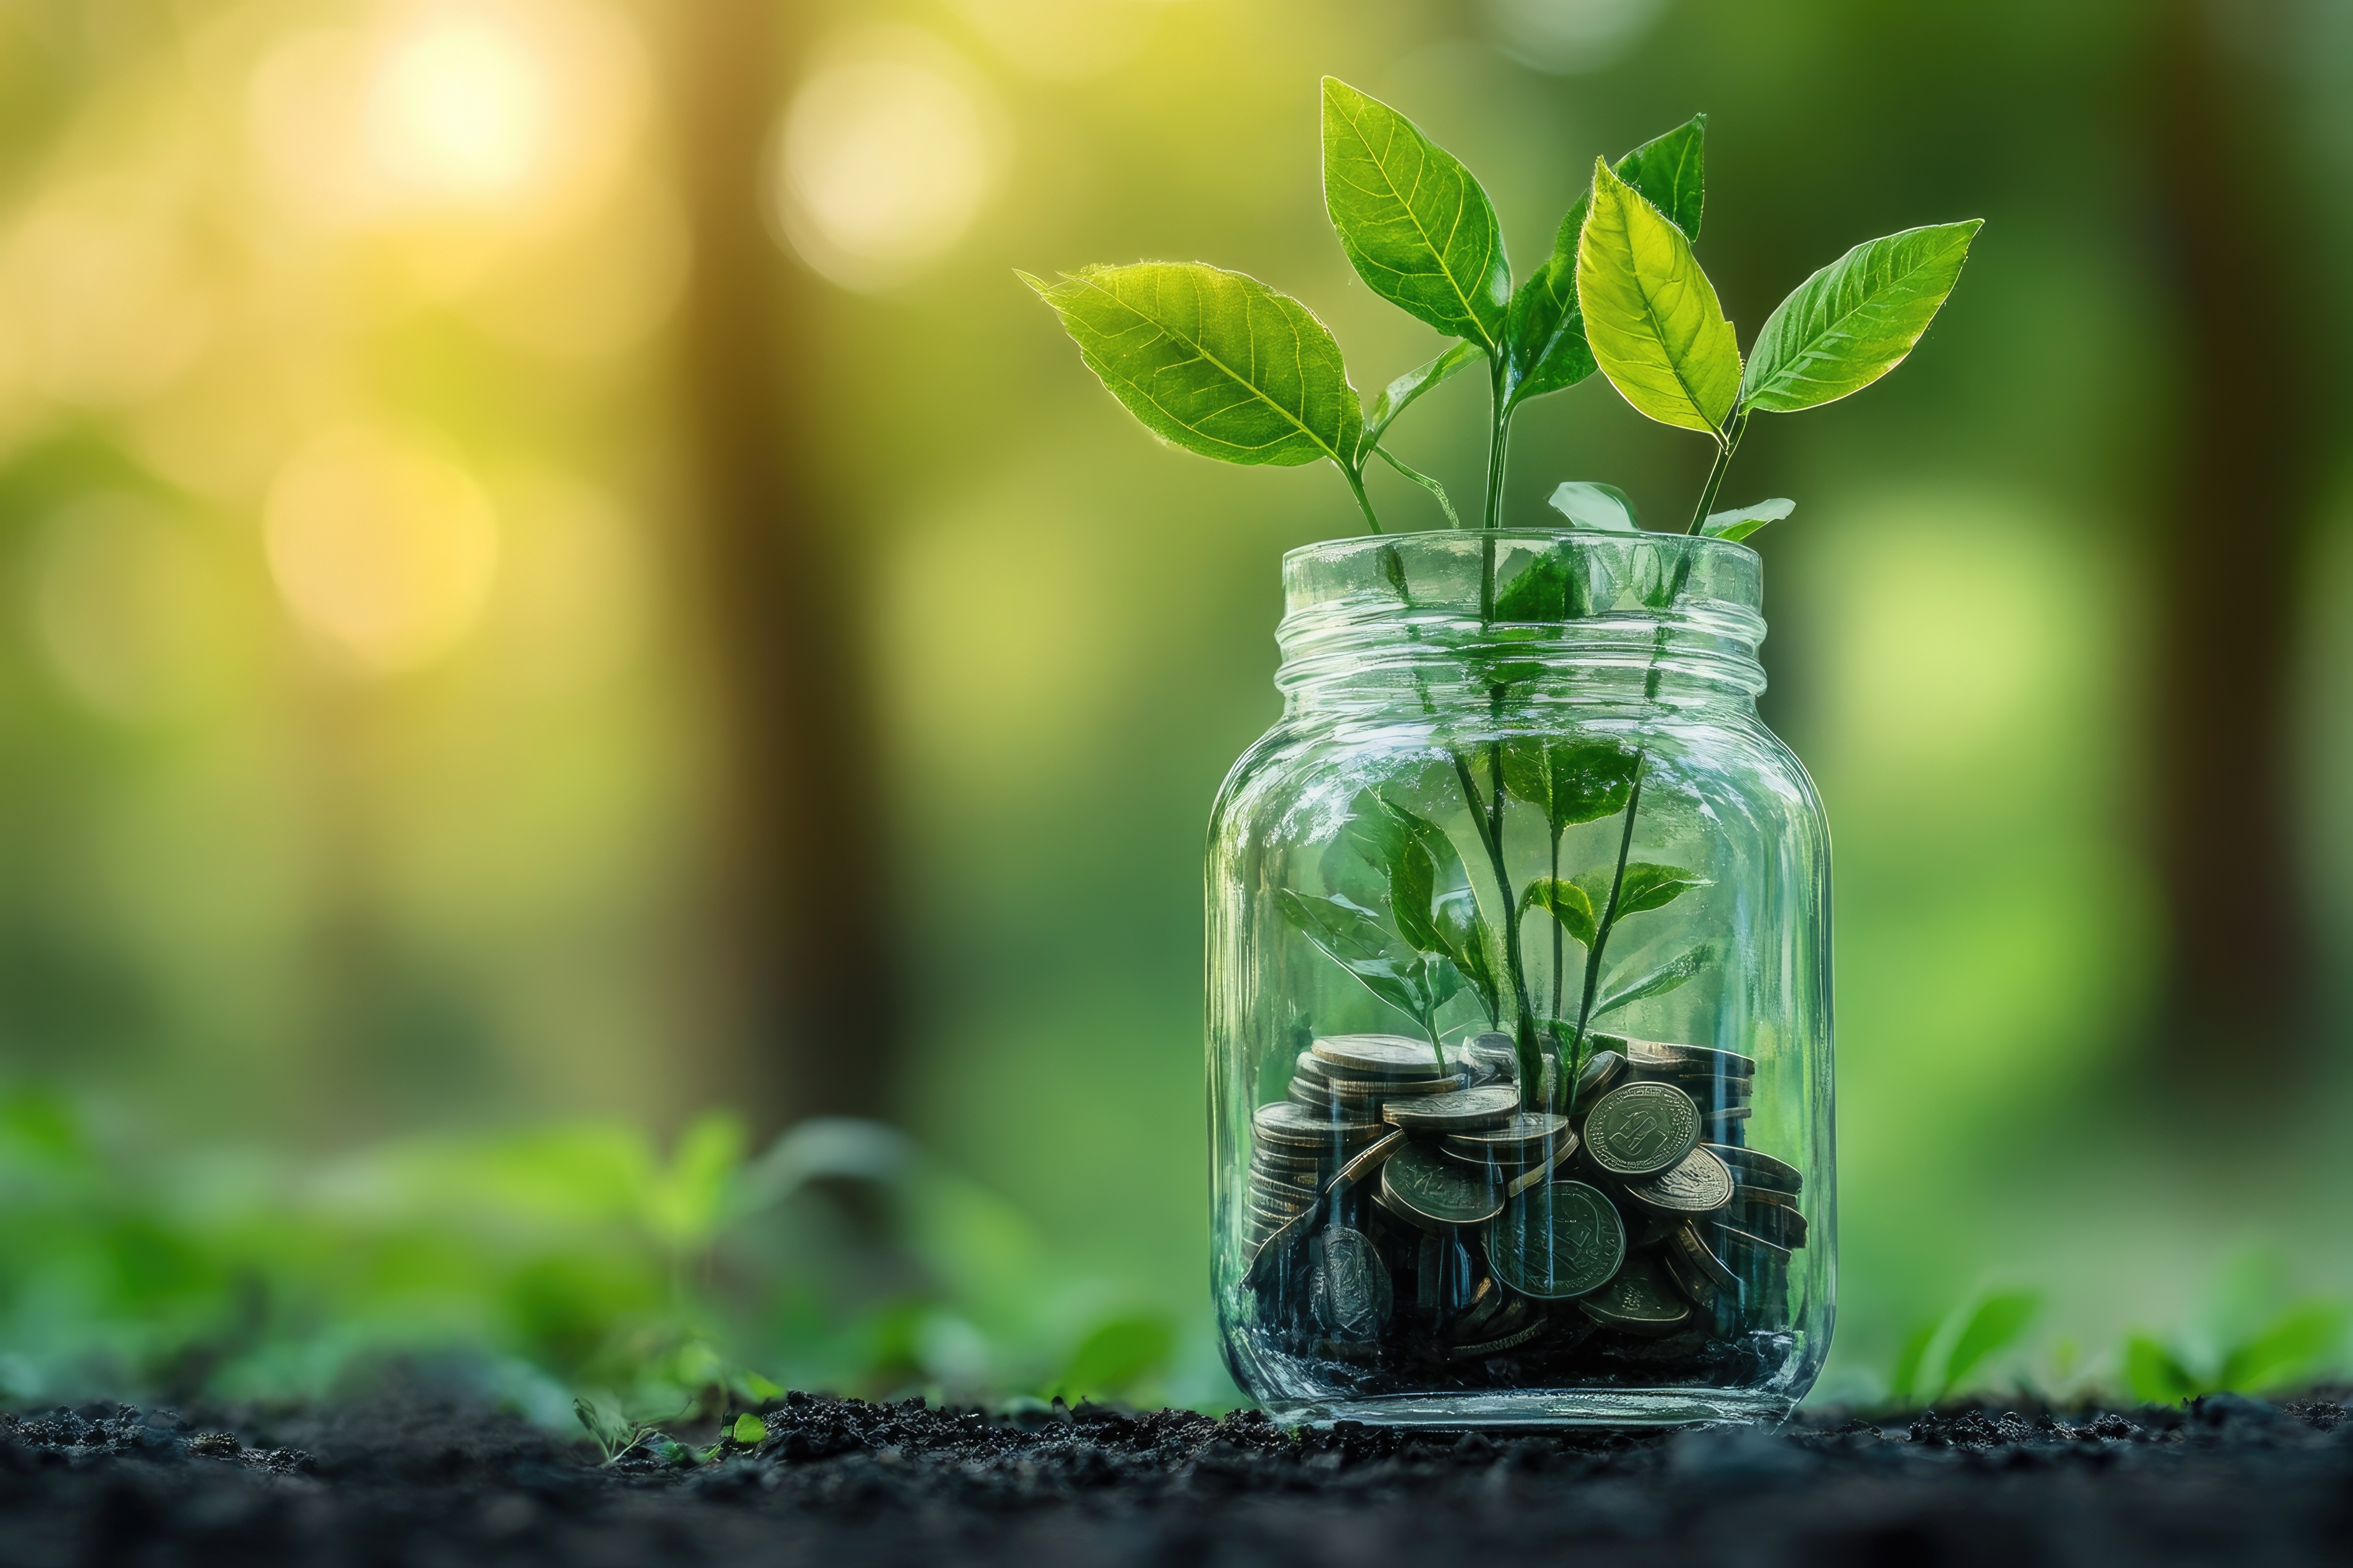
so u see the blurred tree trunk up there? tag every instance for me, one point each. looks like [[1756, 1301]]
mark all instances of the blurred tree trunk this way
[[2231, 518], [804, 923]]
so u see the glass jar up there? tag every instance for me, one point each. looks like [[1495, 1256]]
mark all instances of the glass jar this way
[[1519, 1009]]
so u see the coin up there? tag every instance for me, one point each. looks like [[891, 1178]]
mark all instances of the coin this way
[[1600, 1071], [1392, 1089], [1640, 1128], [1287, 1123], [1647, 1227], [1530, 1135], [1706, 1061], [1463, 1110], [1696, 1286], [1557, 1241], [1735, 1241], [1349, 1291], [1542, 1170], [1494, 1050], [1638, 1300], [1307, 1064], [1281, 1191], [1273, 1244], [1696, 1184], [1380, 1056], [1365, 1163], [1486, 1299], [1428, 1189], [1779, 1224], [1689, 1246], [1751, 1168]]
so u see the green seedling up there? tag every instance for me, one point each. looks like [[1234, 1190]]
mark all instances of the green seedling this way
[[1221, 365], [1967, 1337], [1655, 326]]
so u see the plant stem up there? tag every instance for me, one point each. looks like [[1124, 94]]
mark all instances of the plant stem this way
[[1556, 936], [1727, 443], [1445, 501], [1355, 478], [1499, 438], [1570, 1068]]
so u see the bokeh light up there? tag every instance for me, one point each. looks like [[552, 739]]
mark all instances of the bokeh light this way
[[382, 545], [886, 156], [458, 108]]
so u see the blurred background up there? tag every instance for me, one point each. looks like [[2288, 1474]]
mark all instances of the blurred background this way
[[562, 612]]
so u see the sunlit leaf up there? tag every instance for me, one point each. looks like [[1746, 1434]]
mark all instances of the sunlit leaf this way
[[1211, 361], [1417, 228], [1590, 505], [748, 1429], [1546, 331], [1740, 521], [1651, 314], [1855, 320], [1995, 1326]]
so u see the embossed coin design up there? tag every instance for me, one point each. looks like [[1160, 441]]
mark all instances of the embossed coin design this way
[[1438, 1191], [1640, 1128], [1352, 1295], [1559, 1241], [1696, 1184]]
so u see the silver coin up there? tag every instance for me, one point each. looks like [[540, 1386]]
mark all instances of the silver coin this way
[[1428, 1189], [1380, 1056], [1530, 1135], [1462, 1111], [1350, 1294], [1696, 1184], [1287, 1123]]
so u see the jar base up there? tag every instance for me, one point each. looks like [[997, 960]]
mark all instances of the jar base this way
[[1499, 1409]]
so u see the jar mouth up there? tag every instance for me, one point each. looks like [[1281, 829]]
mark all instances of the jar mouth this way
[[1575, 600]]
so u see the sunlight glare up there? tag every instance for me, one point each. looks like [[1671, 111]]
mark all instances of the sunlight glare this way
[[459, 110], [382, 545], [884, 160]]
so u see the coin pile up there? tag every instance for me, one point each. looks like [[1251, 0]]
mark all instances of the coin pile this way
[[1399, 1197]]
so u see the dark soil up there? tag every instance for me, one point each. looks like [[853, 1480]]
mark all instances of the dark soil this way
[[427, 1481]]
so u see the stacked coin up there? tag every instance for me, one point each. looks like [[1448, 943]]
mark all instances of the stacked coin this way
[[1499, 1230]]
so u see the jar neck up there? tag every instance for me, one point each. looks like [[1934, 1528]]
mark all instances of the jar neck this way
[[1446, 621]]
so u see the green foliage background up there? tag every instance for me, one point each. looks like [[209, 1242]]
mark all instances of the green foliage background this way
[[348, 1009]]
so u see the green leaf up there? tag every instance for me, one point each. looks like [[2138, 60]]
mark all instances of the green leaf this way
[[1566, 902], [1670, 171], [1743, 520], [1855, 320], [1651, 314], [1995, 1326], [749, 1429], [1400, 392], [1468, 941], [1569, 781], [1545, 330], [2156, 1374], [1650, 887], [1597, 506], [1540, 593], [1413, 888], [1211, 361], [2299, 1343], [1905, 1379], [1659, 981], [1415, 225]]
